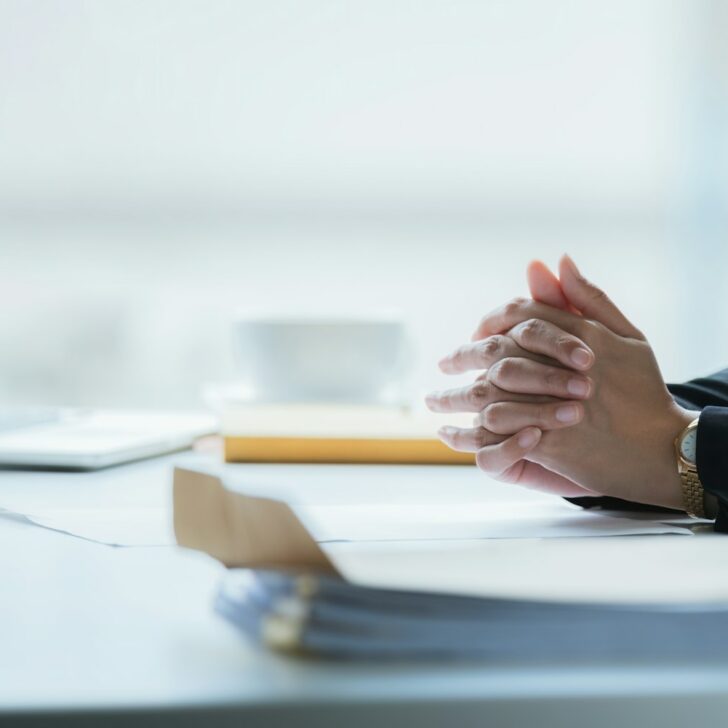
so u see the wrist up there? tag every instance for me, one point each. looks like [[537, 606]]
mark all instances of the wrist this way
[[669, 489], [685, 449]]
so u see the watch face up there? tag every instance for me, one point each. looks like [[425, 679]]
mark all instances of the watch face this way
[[688, 445]]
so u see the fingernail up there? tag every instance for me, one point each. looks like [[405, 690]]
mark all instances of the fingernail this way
[[578, 387], [445, 432], [581, 357], [567, 413], [528, 438]]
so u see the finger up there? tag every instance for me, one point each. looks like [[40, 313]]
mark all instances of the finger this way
[[543, 337], [467, 440], [518, 310], [592, 301], [545, 286], [536, 477], [524, 376], [507, 461], [506, 418], [475, 397], [498, 459], [482, 354]]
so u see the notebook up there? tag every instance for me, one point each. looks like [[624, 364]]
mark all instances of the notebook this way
[[337, 434]]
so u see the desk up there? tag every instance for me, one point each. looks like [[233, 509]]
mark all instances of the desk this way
[[128, 634]]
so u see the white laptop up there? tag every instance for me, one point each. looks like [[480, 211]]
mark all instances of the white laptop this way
[[90, 439]]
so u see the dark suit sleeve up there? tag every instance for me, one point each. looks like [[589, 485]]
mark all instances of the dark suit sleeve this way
[[710, 395], [712, 455], [709, 391]]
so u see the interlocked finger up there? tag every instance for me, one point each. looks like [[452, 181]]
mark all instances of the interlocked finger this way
[[507, 418], [483, 354], [504, 460], [543, 337], [531, 377], [519, 310], [475, 397], [468, 439]]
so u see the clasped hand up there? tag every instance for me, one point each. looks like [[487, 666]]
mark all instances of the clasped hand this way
[[570, 400]]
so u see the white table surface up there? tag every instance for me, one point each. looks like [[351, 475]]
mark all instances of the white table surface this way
[[88, 629]]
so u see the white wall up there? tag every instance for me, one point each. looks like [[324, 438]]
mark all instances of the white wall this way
[[163, 163]]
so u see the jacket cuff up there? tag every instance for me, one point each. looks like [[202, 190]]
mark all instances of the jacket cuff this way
[[721, 521], [712, 453]]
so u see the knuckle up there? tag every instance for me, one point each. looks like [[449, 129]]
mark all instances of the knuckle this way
[[515, 306], [562, 341], [493, 373], [565, 345], [544, 415], [490, 348], [456, 437], [481, 438], [490, 417], [554, 379], [587, 330], [531, 329], [505, 369], [479, 393]]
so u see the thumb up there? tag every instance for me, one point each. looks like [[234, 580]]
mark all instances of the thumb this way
[[545, 286], [592, 301]]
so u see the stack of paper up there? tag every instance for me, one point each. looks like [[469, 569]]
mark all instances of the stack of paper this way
[[502, 598], [327, 616]]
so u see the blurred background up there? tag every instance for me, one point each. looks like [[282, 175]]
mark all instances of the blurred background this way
[[165, 163]]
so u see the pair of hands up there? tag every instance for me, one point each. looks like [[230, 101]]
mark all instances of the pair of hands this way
[[571, 400]]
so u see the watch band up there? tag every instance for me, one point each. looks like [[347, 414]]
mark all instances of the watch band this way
[[692, 491]]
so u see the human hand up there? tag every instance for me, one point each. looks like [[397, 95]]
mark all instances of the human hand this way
[[537, 379], [623, 444]]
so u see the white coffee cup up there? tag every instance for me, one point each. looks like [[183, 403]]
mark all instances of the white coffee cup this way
[[322, 359]]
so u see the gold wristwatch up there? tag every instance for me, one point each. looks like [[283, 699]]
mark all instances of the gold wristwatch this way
[[692, 489]]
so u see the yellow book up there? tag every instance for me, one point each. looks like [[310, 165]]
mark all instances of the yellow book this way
[[337, 434]]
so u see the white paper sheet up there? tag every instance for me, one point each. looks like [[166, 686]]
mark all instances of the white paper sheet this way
[[626, 570], [127, 527], [465, 521], [131, 505], [366, 522]]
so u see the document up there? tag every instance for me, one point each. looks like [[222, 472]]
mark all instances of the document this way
[[467, 521], [326, 616], [472, 580], [336, 503], [112, 527], [263, 533]]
